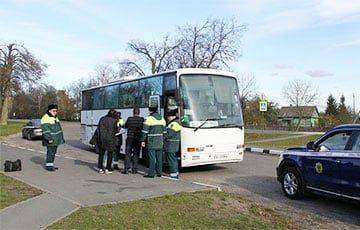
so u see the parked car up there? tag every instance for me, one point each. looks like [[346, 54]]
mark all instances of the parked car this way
[[330, 165], [32, 130]]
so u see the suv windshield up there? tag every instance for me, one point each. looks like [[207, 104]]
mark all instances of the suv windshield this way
[[210, 101]]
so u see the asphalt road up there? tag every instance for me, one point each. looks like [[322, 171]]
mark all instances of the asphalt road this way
[[254, 178]]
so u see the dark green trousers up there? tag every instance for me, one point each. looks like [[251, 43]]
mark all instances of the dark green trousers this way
[[50, 155], [173, 164], [155, 161]]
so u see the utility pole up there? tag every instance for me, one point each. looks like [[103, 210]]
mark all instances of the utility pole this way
[[354, 103]]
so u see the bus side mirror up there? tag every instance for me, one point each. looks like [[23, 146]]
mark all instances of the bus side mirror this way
[[310, 145]]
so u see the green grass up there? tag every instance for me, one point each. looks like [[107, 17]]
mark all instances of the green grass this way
[[292, 142], [11, 128], [250, 137], [198, 210], [13, 191]]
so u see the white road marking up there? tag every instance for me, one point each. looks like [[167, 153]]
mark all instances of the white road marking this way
[[207, 185], [71, 158]]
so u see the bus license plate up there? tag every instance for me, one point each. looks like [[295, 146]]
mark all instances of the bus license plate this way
[[220, 156]]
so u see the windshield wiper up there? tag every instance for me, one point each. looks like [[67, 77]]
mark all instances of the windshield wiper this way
[[208, 119], [231, 125]]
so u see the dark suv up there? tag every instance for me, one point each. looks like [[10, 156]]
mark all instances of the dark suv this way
[[330, 165]]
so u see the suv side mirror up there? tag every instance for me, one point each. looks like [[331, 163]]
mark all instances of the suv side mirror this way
[[310, 145]]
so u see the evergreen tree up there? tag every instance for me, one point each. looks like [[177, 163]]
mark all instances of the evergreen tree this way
[[331, 108], [344, 114]]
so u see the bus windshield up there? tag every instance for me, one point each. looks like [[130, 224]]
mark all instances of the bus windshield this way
[[210, 101]]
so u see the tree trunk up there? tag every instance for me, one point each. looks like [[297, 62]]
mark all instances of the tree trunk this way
[[298, 125], [5, 110]]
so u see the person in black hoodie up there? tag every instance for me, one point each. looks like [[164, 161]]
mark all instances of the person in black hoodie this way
[[134, 126], [107, 129]]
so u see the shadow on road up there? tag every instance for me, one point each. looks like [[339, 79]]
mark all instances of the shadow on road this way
[[202, 168], [269, 187], [91, 165], [79, 145], [38, 160]]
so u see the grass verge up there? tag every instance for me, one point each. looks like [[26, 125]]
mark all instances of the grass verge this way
[[249, 137], [13, 191], [283, 144], [11, 128], [198, 210]]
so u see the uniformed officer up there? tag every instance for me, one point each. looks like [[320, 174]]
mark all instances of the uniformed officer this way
[[52, 135], [119, 141], [172, 143], [153, 133]]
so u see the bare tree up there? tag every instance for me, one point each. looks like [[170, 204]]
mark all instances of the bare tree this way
[[17, 67], [104, 73], [211, 45], [247, 87], [75, 88], [300, 93], [155, 57]]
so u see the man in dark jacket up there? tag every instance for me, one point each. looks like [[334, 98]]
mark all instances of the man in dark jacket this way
[[153, 133], [172, 143], [134, 126], [107, 129], [52, 135]]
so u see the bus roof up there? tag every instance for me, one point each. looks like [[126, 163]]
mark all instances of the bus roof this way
[[178, 71]]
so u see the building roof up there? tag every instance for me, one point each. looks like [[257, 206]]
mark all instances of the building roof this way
[[293, 111]]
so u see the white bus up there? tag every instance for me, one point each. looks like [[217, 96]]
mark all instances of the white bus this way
[[207, 100]]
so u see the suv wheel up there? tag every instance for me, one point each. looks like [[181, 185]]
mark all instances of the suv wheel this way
[[292, 184], [28, 136]]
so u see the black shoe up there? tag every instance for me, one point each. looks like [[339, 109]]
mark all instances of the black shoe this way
[[50, 169], [148, 176], [116, 167], [134, 171], [158, 175], [124, 172], [56, 168]]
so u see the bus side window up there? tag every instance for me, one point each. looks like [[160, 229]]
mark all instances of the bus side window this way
[[150, 86], [111, 96], [87, 100], [128, 94], [170, 83], [98, 102]]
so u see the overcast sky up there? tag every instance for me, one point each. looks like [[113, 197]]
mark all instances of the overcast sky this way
[[315, 40]]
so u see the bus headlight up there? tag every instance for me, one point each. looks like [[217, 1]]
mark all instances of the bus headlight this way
[[197, 149], [200, 149]]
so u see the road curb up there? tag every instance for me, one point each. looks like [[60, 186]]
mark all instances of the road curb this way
[[264, 151]]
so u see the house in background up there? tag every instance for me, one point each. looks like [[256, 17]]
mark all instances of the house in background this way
[[290, 115]]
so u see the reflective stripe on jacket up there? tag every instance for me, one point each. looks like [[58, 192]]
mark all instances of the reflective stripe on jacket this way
[[51, 130], [153, 131]]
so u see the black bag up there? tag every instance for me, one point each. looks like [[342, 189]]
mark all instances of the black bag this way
[[12, 166], [95, 138]]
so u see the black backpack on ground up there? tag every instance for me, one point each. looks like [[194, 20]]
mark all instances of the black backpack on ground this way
[[12, 166]]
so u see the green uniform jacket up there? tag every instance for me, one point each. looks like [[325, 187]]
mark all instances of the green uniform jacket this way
[[52, 132], [172, 137], [153, 131]]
